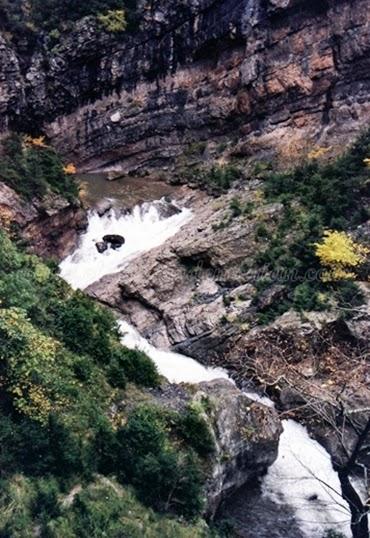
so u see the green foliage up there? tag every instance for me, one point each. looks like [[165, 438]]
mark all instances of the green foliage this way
[[26, 19], [331, 192], [72, 319], [217, 179], [195, 430], [114, 21], [316, 197], [261, 231], [165, 478], [105, 509], [34, 170], [61, 368], [235, 207], [102, 508]]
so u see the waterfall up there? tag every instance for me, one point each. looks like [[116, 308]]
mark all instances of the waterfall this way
[[302, 476], [175, 367], [143, 228]]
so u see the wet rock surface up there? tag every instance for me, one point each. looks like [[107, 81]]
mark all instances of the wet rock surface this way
[[254, 515], [114, 240], [246, 434]]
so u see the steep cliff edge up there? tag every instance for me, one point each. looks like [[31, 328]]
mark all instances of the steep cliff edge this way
[[278, 74]]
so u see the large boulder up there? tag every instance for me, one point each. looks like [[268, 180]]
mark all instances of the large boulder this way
[[246, 438], [246, 434], [114, 240]]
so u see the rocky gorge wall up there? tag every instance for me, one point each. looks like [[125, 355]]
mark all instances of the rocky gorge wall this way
[[270, 74], [48, 227]]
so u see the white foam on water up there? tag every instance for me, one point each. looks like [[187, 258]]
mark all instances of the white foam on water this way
[[303, 478], [175, 367], [143, 229]]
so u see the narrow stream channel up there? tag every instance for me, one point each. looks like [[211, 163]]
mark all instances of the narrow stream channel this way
[[302, 476]]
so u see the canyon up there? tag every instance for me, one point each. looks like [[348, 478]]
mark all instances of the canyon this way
[[267, 76], [250, 84]]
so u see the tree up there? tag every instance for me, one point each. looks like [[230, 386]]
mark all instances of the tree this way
[[327, 399], [340, 255]]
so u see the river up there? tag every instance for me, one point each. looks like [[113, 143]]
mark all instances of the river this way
[[302, 479]]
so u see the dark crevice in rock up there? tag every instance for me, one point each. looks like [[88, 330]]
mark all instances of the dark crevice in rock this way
[[359, 512]]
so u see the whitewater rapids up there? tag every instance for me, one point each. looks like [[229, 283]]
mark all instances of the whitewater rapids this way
[[142, 228], [302, 477]]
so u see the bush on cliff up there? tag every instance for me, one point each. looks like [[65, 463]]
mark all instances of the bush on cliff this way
[[166, 479], [316, 197], [33, 169], [114, 21], [51, 14], [215, 179]]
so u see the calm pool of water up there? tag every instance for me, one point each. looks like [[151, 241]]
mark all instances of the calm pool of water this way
[[127, 191]]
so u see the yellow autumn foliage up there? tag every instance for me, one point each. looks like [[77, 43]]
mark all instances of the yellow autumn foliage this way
[[33, 368], [340, 254], [70, 169], [317, 153], [36, 142]]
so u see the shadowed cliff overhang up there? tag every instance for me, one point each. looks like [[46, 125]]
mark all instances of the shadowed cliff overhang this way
[[267, 72]]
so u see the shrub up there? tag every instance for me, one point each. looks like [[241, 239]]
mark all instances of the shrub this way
[[106, 448], [235, 206], [113, 21], [143, 434], [306, 297], [340, 254], [50, 14], [195, 430], [46, 503], [33, 169], [136, 366], [170, 481], [86, 328], [216, 179], [116, 374], [164, 478]]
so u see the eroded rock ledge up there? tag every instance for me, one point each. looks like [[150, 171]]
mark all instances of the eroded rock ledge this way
[[274, 74], [50, 227], [245, 434]]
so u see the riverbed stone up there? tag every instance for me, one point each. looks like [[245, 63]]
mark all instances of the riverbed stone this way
[[245, 433]]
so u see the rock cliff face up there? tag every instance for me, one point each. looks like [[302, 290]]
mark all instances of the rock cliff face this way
[[245, 433], [277, 74], [50, 227]]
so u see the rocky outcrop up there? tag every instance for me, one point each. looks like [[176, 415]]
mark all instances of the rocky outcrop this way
[[50, 226], [274, 74], [12, 86], [192, 287], [196, 294], [245, 433], [178, 298]]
